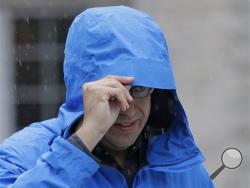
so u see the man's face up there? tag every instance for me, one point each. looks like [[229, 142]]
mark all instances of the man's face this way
[[128, 125]]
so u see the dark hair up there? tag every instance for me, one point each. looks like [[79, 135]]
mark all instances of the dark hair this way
[[162, 112]]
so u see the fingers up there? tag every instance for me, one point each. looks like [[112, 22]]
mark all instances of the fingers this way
[[113, 88], [119, 95], [116, 84], [120, 81], [125, 80], [106, 93]]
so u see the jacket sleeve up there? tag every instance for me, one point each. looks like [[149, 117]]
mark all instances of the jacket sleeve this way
[[62, 165], [202, 177]]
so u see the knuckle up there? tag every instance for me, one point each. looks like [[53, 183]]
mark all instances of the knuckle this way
[[120, 90], [87, 87], [109, 77], [112, 81]]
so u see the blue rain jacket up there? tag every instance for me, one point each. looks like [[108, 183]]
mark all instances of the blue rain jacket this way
[[102, 41]]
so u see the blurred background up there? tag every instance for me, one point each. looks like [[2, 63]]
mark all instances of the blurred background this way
[[209, 47]]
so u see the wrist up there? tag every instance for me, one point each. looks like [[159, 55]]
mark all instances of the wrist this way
[[89, 136]]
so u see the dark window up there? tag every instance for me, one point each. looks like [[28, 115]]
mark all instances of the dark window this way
[[62, 28], [39, 67], [27, 73], [26, 31], [27, 113]]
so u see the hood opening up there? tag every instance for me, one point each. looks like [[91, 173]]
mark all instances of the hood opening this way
[[170, 141], [162, 112]]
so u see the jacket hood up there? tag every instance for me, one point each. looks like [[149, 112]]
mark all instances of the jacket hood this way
[[123, 41]]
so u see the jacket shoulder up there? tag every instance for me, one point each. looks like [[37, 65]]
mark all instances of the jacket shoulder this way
[[24, 147]]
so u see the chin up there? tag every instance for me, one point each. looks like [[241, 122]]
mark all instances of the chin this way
[[117, 145], [117, 141]]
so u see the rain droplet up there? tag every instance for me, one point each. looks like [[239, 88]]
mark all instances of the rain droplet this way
[[162, 130], [65, 15], [49, 35], [20, 63], [145, 136], [27, 20], [27, 46], [156, 106], [55, 29], [27, 68]]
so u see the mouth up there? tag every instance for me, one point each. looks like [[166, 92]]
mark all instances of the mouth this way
[[126, 127]]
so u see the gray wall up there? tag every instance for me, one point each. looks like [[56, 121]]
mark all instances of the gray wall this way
[[209, 46], [7, 100]]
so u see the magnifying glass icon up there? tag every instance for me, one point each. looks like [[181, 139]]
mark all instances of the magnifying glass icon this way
[[231, 158]]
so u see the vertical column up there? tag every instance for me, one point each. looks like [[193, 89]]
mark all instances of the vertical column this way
[[7, 100]]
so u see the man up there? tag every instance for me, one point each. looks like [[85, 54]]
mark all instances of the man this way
[[121, 125]]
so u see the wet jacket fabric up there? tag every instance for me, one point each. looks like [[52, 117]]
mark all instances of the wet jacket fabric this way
[[105, 41]]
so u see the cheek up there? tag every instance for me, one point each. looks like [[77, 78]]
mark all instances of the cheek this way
[[147, 109], [144, 106]]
